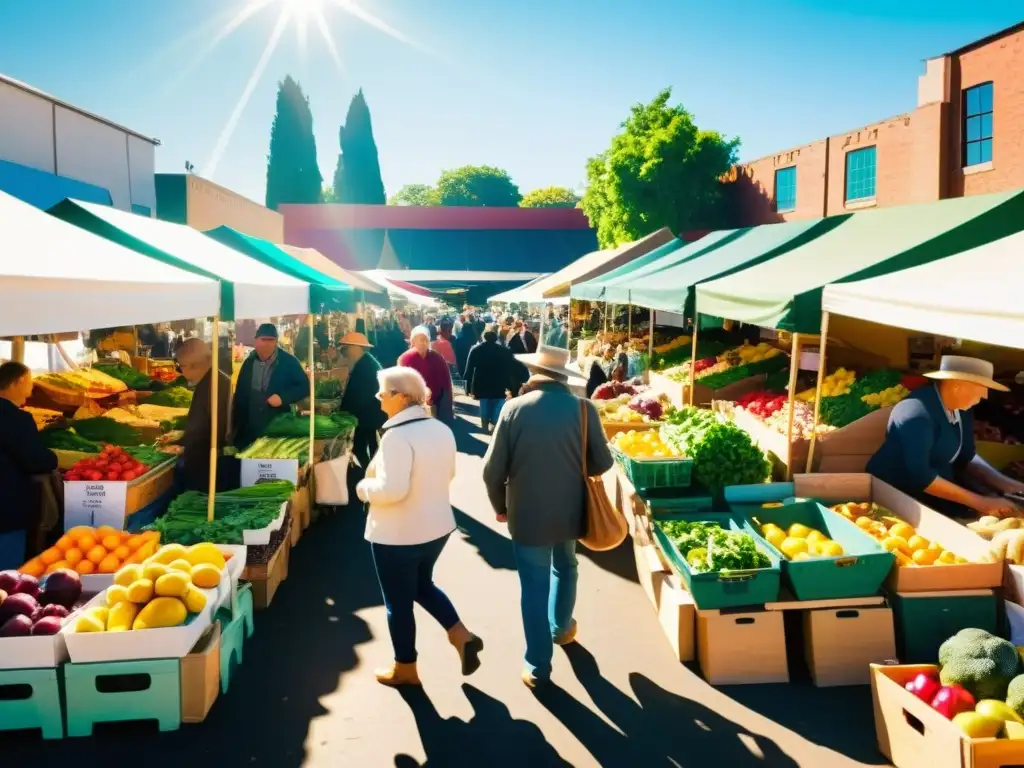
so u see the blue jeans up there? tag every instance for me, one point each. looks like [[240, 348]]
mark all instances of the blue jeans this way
[[406, 576], [490, 408], [12, 550], [547, 577]]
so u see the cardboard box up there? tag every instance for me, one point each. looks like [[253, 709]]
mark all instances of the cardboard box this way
[[265, 579], [676, 613], [200, 677], [913, 735], [838, 488], [742, 647], [841, 643], [648, 571]]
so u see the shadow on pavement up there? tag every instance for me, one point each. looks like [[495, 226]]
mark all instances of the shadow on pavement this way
[[493, 548], [491, 737], [662, 729]]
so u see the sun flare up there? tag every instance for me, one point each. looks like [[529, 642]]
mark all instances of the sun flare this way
[[304, 10]]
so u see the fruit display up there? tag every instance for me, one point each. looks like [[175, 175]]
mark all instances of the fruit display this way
[[836, 383], [863, 394], [722, 453], [1007, 544], [646, 444], [896, 535], [91, 382], [803, 421], [989, 526], [762, 403], [612, 390], [634, 409], [30, 607], [800, 542], [707, 547], [732, 365], [668, 359], [244, 509], [89, 551], [113, 464], [160, 592]]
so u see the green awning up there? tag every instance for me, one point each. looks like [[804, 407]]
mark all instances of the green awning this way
[[326, 293], [247, 289], [785, 293], [594, 289]]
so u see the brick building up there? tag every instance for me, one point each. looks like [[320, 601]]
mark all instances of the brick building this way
[[965, 137]]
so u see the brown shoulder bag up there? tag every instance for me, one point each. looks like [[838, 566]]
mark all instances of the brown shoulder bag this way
[[606, 528]]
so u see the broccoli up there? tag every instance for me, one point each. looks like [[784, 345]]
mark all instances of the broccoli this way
[[708, 547], [1015, 694], [981, 662]]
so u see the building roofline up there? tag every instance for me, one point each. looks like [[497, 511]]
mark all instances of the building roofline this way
[[66, 105], [1018, 27]]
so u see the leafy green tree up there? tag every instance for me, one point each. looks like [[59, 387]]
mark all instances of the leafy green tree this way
[[478, 185], [661, 170], [416, 194], [293, 175], [357, 176], [550, 197]]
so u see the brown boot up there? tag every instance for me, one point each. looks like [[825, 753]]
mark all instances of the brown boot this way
[[398, 674], [468, 645]]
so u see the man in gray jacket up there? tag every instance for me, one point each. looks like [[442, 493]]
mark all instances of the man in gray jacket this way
[[533, 471]]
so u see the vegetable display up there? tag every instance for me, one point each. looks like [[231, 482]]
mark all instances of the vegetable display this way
[[67, 439], [43, 417], [634, 409], [897, 535], [612, 390], [88, 550], [103, 430], [324, 427], [147, 454], [132, 378], [90, 381], [732, 366], [175, 397], [855, 398], [722, 453], [327, 389], [277, 448], [646, 444], [113, 463], [707, 547], [251, 508], [668, 358], [762, 403]]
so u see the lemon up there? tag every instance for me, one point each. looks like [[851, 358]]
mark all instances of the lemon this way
[[918, 542], [816, 536], [793, 546], [775, 537], [864, 522], [925, 556], [830, 549], [801, 556], [896, 544], [799, 531], [903, 531]]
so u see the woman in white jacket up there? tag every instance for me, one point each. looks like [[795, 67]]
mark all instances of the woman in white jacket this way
[[410, 520]]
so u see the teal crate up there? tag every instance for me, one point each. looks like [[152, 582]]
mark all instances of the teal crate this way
[[923, 622], [680, 501], [859, 572], [716, 590], [87, 703], [40, 709], [653, 474]]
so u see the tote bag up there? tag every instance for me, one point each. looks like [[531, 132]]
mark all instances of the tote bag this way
[[606, 528]]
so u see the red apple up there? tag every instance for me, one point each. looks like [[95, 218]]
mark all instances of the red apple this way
[[925, 686], [951, 700]]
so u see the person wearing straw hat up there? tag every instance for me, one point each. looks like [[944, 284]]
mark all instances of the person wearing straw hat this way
[[929, 452], [360, 398]]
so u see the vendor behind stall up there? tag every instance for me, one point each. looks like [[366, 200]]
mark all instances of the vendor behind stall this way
[[929, 451], [360, 398], [270, 382], [196, 363], [22, 457]]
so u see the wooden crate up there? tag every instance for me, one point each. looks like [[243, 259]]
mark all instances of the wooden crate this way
[[144, 490], [267, 577], [678, 392]]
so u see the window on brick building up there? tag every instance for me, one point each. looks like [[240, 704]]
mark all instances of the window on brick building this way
[[785, 189], [860, 174], [977, 127]]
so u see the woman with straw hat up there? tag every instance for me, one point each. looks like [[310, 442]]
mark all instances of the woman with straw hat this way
[[929, 452]]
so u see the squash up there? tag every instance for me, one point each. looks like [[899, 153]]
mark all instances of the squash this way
[[161, 612], [173, 584], [205, 576], [128, 575], [195, 600], [116, 594], [122, 617], [141, 592]]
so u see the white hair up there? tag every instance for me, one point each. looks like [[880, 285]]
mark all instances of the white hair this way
[[405, 381], [419, 330]]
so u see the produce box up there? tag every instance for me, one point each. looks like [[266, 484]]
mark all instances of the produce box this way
[[679, 395], [840, 644], [677, 615], [913, 735], [200, 676], [649, 570], [267, 577], [111, 502], [262, 536], [831, 489], [612, 428], [719, 589], [742, 647], [924, 621], [858, 572], [651, 474]]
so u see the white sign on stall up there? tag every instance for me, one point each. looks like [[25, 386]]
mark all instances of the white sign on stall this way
[[95, 503], [256, 471]]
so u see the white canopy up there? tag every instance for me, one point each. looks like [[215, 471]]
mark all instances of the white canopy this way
[[972, 295], [56, 277], [259, 291]]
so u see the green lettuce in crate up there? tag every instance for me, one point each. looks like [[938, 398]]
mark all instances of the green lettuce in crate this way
[[722, 453], [707, 547]]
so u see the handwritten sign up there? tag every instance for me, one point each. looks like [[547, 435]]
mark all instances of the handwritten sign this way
[[94, 504], [256, 471]]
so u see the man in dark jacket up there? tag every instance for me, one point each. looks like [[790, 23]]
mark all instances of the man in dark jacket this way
[[533, 472], [523, 341], [196, 365], [270, 382], [490, 373], [360, 398]]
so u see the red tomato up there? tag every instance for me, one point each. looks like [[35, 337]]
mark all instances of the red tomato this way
[[128, 476], [113, 475], [72, 476]]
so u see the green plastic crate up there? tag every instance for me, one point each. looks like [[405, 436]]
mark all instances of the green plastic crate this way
[[715, 590], [859, 572], [678, 501], [923, 622], [653, 474]]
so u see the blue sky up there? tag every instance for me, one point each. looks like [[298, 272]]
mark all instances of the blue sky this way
[[534, 86]]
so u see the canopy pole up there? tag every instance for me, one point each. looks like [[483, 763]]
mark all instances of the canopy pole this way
[[18, 349], [822, 344], [312, 392], [606, 305], [214, 414], [693, 361], [629, 321], [794, 369], [568, 326]]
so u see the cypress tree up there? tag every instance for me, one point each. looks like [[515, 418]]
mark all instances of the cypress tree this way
[[357, 177], [293, 175]]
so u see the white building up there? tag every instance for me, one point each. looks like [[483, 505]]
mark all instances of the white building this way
[[50, 149]]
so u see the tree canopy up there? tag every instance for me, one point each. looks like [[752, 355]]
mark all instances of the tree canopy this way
[[357, 176], [661, 170], [478, 185], [416, 194], [550, 197], [293, 175]]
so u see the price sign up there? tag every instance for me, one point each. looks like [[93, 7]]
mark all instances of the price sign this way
[[256, 471], [94, 503]]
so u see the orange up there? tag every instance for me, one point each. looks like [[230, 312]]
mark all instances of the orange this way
[[64, 543], [79, 531], [85, 567], [87, 542], [111, 542], [925, 556], [33, 567], [134, 542], [109, 564], [51, 556], [96, 554], [105, 530], [151, 535], [74, 556], [122, 552], [58, 564]]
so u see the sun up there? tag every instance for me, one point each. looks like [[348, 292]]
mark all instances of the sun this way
[[303, 10]]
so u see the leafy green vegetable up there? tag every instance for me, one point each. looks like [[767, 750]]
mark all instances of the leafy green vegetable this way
[[722, 453], [681, 354], [173, 397], [277, 448], [66, 439], [132, 378], [840, 410], [324, 427], [245, 509], [707, 547], [739, 372], [178, 422], [147, 454], [327, 389], [103, 430]]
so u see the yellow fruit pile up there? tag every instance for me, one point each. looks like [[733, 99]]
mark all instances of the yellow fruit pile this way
[[753, 353], [646, 444], [897, 536], [677, 342], [160, 592], [836, 383], [887, 397], [800, 542]]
